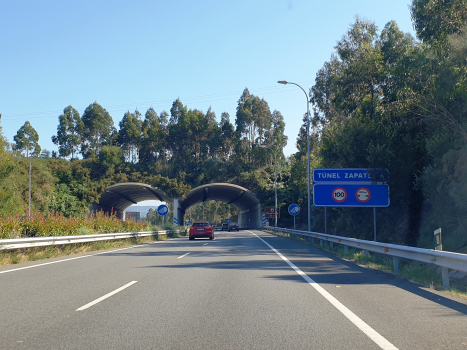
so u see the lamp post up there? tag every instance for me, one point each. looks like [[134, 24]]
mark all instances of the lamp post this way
[[285, 82], [275, 183]]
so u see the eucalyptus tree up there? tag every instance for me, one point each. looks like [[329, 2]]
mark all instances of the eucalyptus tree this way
[[440, 99], [69, 131], [130, 135], [434, 20], [363, 121], [211, 142], [152, 143], [27, 139], [98, 128], [226, 137], [253, 119], [178, 134], [274, 136]]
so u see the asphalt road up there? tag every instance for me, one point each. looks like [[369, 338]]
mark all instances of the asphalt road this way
[[243, 290]]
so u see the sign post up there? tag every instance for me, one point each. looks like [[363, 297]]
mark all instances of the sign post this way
[[348, 187], [294, 210], [163, 210]]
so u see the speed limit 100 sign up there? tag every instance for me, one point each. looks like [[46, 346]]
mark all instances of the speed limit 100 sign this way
[[339, 194]]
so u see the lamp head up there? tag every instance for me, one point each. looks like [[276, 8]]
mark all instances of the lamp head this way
[[283, 82]]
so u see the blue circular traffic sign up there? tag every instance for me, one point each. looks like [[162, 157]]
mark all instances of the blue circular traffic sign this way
[[294, 209], [162, 210]]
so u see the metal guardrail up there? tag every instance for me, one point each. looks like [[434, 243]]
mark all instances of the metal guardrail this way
[[29, 242], [445, 260]]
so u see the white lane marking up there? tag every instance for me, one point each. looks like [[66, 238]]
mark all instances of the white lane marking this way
[[382, 342], [183, 256], [205, 243], [78, 257], [92, 303]]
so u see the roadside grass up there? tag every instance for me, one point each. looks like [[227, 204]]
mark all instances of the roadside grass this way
[[426, 275], [40, 253]]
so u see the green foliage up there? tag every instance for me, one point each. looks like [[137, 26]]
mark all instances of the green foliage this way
[[434, 20], [446, 188], [111, 157], [27, 139], [61, 201], [98, 127], [69, 131], [130, 135]]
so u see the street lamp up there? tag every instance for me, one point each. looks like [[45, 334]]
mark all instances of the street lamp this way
[[285, 82], [275, 182]]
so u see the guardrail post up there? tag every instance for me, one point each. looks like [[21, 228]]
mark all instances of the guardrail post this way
[[395, 262], [445, 276], [365, 253], [346, 249], [332, 245], [320, 242]]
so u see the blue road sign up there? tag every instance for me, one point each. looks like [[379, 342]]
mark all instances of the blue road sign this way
[[228, 221], [350, 187], [343, 175], [294, 209], [175, 221], [162, 210]]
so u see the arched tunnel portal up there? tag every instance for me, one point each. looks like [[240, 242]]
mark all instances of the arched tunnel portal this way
[[249, 215], [118, 197]]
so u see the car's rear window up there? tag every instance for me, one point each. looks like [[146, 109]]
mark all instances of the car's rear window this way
[[200, 224]]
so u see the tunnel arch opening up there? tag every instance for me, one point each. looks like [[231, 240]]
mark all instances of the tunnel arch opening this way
[[118, 197]]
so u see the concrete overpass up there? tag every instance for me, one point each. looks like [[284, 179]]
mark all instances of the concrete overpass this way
[[118, 197]]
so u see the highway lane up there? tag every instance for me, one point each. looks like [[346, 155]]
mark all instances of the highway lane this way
[[230, 293]]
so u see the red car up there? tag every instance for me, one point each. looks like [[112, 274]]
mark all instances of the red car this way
[[201, 229]]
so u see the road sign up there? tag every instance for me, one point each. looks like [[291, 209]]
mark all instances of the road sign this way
[[162, 210], [363, 195], [228, 221], [350, 187], [271, 212], [175, 221], [265, 221], [350, 175], [339, 194], [294, 209]]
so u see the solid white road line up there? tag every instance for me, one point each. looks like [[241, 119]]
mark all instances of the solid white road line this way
[[183, 256], [105, 296], [78, 257], [382, 342]]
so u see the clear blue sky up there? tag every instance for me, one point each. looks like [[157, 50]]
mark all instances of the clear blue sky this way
[[137, 54]]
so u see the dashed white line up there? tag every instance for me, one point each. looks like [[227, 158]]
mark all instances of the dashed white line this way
[[183, 256], [92, 303], [382, 342]]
